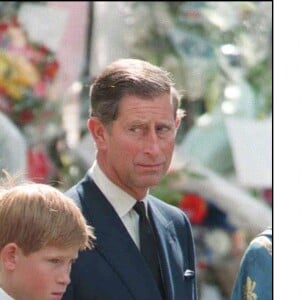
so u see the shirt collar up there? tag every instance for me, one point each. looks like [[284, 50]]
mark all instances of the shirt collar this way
[[121, 201], [4, 295]]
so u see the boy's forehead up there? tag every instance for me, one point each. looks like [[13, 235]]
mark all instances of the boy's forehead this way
[[60, 251]]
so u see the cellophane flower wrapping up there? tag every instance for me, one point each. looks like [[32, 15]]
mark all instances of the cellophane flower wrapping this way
[[27, 73]]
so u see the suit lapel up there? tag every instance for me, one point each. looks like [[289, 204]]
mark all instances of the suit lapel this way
[[170, 252], [115, 244]]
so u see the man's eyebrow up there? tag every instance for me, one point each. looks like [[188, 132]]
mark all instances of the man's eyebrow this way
[[137, 123]]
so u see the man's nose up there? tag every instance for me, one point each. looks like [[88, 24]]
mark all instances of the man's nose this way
[[152, 143]]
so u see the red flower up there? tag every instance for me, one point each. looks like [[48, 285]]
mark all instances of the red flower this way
[[51, 69], [25, 117], [39, 165], [194, 206], [202, 265], [268, 195], [3, 27]]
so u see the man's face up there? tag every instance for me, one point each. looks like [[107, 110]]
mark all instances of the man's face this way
[[138, 146], [44, 274]]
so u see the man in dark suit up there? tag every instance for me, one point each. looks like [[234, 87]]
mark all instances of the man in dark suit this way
[[134, 116]]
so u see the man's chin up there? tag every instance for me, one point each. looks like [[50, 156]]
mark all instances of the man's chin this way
[[149, 182]]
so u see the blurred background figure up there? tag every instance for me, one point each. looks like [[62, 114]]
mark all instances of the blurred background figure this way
[[13, 148], [255, 277]]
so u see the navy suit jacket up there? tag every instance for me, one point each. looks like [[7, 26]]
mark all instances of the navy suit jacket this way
[[115, 269]]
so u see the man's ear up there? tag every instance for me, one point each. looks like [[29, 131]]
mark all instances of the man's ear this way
[[177, 123], [97, 130], [9, 256]]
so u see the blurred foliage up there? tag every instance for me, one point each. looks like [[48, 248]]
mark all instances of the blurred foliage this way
[[187, 38], [166, 191]]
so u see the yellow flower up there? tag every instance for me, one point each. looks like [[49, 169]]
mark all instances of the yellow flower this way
[[24, 72], [16, 74], [248, 290]]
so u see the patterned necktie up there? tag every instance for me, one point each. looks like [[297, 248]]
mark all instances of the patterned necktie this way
[[148, 244]]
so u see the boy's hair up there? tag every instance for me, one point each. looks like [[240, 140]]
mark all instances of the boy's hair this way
[[34, 215]]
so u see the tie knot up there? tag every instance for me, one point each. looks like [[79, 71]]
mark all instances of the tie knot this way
[[139, 207]]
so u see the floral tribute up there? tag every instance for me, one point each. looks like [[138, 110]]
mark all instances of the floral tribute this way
[[195, 207], [27, 71]]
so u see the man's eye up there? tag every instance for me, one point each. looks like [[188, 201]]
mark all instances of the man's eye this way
[[163, 129], [135, 129], [54, 260]]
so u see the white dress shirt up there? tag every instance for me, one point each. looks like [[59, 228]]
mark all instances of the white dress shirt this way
[[121, 201], [4, 295]]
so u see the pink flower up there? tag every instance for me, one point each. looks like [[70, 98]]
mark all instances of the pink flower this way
[[40, 89], [39, 165]]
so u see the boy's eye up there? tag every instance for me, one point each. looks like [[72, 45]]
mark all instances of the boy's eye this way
[[54, 260]]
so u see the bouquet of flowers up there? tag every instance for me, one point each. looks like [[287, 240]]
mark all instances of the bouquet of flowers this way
[[27, 71]]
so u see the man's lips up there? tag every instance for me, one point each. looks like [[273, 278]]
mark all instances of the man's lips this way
[[151, 166]]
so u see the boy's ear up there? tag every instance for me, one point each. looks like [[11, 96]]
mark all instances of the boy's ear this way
[[9, 256]]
